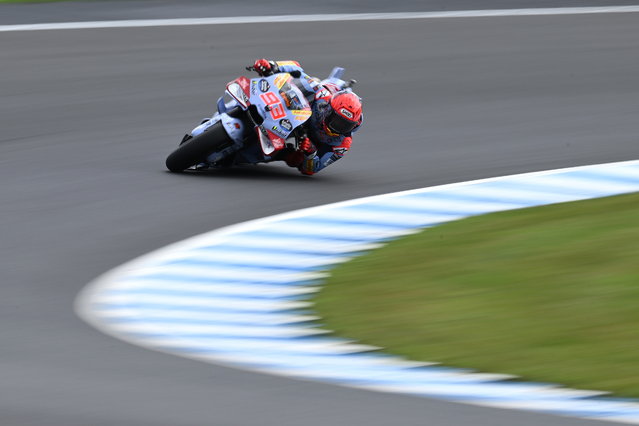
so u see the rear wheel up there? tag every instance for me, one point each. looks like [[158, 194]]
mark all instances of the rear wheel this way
[[195, 150]]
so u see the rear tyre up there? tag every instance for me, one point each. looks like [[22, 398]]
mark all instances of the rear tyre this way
[[195, 150]]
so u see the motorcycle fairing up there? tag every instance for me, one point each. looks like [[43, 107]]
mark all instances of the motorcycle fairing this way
[[239, 90], [269, 141], [283, 107]]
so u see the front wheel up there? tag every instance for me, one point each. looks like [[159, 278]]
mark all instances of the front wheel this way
[[196, 150]]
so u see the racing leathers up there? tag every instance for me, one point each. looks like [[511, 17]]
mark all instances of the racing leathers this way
[[327, 147]]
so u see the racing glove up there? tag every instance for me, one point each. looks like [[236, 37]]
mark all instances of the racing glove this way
[[294, 159], [307, 148], [264, 67]]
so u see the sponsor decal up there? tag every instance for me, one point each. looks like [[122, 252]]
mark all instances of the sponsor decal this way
[[276, 141], [253, 87], [281, 79], [273, 105], [244, 83], [297, 64], [264, 86], [280, 132], [346, 113], [286, 125], [301, 114]]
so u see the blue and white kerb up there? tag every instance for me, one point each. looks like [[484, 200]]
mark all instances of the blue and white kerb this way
[[238, 296]]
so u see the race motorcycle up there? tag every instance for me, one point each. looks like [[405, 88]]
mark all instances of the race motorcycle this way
[[262, 122]]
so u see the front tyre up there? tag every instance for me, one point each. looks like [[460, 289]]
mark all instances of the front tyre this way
[[195, 150]]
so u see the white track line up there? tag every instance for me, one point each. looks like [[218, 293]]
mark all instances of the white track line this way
[[320, 18], [205, 299]]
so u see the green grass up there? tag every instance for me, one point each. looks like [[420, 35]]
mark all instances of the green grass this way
[[549, 294]]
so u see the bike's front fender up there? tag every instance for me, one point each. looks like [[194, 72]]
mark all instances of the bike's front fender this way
[[234, 127]]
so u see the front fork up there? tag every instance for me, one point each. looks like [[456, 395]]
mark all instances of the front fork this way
[[235, 129]]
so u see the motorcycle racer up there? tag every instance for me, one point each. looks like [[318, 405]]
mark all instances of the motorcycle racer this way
[[336, 115]]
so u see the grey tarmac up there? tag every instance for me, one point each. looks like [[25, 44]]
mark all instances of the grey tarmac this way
[[88, 117]]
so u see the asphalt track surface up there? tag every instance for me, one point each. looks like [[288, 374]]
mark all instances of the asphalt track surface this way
[[99, 10], [88, 117]]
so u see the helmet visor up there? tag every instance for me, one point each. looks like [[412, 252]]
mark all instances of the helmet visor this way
[[338, 124]]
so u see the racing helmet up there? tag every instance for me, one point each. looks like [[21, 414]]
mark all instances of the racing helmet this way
[[346, 113]]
